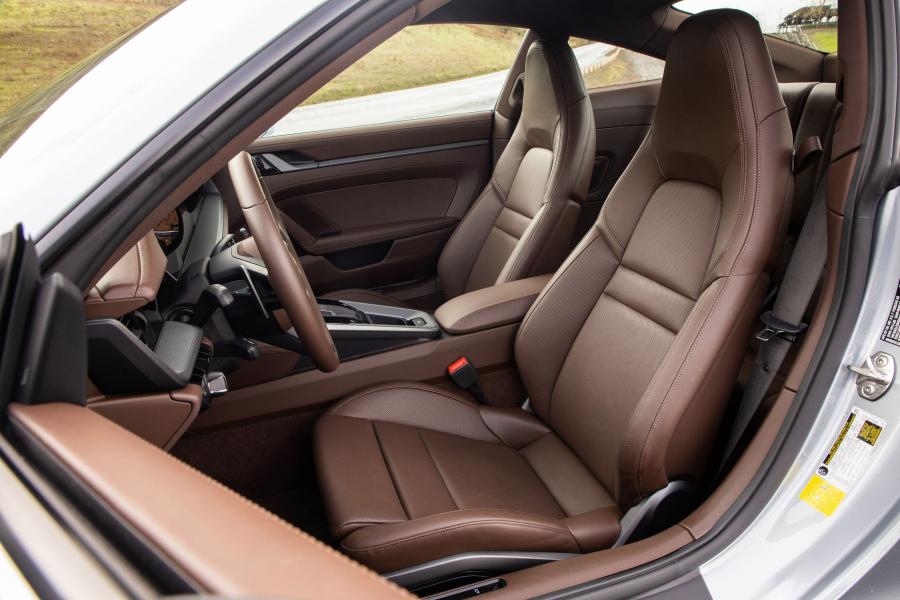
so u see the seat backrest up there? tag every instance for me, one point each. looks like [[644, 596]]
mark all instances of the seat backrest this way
[[630, 352], [522, 223]]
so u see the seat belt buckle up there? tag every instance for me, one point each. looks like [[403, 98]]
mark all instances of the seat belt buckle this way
[[773, 326], [463, 374]]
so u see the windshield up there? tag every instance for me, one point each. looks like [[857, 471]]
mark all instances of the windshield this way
[[810, 23], [16, 119], [45, 47], [59, 144]]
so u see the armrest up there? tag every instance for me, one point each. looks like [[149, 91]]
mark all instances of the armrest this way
[[385, 232], [490, 307]]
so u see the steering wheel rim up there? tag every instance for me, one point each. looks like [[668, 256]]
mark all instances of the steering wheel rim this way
[[285, 273]]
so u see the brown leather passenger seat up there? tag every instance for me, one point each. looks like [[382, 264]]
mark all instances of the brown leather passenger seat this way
[[628, 355], [522, 223]]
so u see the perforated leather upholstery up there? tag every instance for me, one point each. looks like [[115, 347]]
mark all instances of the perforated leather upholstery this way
[[628, 355]]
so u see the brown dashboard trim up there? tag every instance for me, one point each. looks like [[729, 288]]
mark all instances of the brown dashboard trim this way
[[161, 419], [314, 389]]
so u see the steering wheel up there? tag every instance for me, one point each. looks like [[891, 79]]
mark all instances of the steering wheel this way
[[285, 273]]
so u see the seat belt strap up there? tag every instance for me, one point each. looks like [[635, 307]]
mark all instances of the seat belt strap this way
[[785, 321], [783, 324]]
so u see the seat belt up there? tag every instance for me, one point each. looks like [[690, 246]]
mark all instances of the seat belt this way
[[784, 323]]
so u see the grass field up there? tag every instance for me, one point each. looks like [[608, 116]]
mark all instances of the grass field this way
[[41, 39], [424, 55], [824, 38]]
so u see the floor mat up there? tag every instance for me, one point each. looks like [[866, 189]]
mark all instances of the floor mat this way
[[270, 462], [300, 508]]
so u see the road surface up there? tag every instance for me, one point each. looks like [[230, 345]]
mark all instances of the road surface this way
[[454, 97]]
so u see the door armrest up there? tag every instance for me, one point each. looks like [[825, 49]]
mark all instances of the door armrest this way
[[490, 307]]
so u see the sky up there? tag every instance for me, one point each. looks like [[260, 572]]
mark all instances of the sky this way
[[769, 13]]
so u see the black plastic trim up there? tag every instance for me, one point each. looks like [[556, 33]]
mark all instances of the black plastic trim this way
[[276, 165], [54, 359], [120, 363], [18, 284]]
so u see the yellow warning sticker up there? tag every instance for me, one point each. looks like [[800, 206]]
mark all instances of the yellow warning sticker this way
[[822, 495], [845, 462]]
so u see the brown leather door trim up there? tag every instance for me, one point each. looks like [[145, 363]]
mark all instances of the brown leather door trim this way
[[373, 206], [225, 543]]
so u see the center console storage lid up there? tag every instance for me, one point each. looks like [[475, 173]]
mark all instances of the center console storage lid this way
[[490, 307]]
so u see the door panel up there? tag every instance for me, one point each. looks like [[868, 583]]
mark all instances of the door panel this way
[[373, 206]]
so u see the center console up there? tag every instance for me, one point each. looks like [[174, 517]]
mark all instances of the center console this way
[[360, 320]]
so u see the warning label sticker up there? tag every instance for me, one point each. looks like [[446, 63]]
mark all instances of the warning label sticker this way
[[891, 331], [845, 462]]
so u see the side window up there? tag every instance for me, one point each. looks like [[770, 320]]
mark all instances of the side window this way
[[810, 23], [604, 65], [423, 71]]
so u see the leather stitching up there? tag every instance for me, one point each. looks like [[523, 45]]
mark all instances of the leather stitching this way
[[639, 313], [643, 457], [642, 460], [551, 187], [501, 230], [437, 468], [245, 501], [539, 478], [492, 186], [652, 280], [389, 468], [399, 385], [562, 530], [140, 268]]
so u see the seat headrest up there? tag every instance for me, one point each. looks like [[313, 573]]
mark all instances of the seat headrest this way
[[553, 83], [718, 74]]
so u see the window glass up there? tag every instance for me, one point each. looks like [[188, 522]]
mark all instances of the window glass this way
[[810, 23], [45, 47], [604, 65], [423, 71]]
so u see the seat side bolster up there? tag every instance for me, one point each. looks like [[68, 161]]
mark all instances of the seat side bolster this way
[[597, 529], [390, 547], [548, 238], [513, 426], [417, 405]]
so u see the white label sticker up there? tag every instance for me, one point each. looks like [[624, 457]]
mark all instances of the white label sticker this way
[[845, 463]]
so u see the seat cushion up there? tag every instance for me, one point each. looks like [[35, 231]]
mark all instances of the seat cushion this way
[[367, 296], [410, 473]]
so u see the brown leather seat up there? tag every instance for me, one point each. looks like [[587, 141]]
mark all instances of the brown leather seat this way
[[628, 355], [522, 223]]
